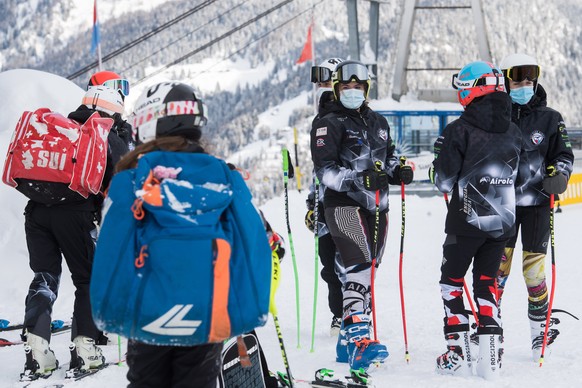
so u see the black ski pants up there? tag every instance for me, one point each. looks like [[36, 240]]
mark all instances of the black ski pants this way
[[53, 232], [327, 255], [153, 366], [458, 253]]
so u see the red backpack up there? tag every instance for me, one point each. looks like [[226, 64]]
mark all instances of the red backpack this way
[[52, 159]]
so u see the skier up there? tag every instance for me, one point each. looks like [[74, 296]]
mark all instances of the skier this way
[[476, 157], [114, 81], [353, 157], [332, 269], [548, 170], [177, 130], [67, 229]]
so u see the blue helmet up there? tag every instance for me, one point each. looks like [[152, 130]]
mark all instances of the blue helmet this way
[[477, 79]]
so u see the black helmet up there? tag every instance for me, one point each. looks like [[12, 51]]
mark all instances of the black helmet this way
[[169, 109]]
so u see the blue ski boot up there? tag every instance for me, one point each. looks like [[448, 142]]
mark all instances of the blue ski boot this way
[[341, 348], [362, 352]]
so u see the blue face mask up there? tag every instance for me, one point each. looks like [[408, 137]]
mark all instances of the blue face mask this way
[[522, 95], [352, 98]]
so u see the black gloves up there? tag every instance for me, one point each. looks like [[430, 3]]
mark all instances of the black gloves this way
[[375, 180], [405, 174], [277, 245], [555, 182], [310, 220]]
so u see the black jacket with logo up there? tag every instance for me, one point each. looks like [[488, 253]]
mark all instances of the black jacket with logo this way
[[344, 143], [476, 157], [546, 143]]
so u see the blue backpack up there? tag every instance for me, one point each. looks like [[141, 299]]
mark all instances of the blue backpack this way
[[182, 257]]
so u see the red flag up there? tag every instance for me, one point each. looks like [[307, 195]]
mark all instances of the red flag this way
[[307, 53]]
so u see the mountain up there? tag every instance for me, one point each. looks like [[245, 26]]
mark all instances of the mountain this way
[[252, 70]]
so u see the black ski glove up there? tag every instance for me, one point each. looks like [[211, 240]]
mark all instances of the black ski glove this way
[[374, 180], [555, 182], [405, 174]]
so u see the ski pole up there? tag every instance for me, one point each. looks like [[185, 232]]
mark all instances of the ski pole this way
[[316, 275], [378, 167], [286, 175], [298, 173], [275, 277], [402, 229], [553, 288], [465, 288]]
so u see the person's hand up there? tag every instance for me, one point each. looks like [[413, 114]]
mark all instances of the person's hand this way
[[375, 180], [555, 182], [404, 172], [310, 220], [431, 174]]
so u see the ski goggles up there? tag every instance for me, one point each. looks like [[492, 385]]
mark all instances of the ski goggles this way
[[493, 79], [346, 72], [320, 74], [118, 84], [521, 73]]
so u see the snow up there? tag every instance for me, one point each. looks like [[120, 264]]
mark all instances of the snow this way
[[422, 255]]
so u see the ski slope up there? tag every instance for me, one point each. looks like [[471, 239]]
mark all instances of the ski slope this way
[[422, 255]]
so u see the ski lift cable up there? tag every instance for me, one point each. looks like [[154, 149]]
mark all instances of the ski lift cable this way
[[213, 42], [142, 38], [181, 38], [257, 39]]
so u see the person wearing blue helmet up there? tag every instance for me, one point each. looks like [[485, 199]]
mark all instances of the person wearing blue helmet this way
[[476, 161]]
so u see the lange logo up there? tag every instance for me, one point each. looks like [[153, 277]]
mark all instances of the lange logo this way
[[495, 181], [173, 323]]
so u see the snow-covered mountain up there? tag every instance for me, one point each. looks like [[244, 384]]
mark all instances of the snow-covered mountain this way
[[422, 256]]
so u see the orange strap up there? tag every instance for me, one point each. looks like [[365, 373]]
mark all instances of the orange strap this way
[[137, 209], [220, 321], [243, 354]]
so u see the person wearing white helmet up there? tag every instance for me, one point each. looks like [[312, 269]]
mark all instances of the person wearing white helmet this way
[[68, 229], [332, 269], [545, 171]]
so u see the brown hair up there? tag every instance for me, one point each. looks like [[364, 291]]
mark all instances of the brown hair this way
[[165, 143]]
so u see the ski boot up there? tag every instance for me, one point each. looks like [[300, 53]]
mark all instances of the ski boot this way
[[40, 359], [85, 355], [324, 379], [537, 337], [341, 348], [335, 327], [457, 359], [362, 351], [490, 352]]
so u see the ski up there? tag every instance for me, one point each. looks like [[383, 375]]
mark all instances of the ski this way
[[6, 326], [70, 377], [55, 330], [324, 378]]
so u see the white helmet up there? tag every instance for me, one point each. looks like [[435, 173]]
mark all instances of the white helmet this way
[[322, 73], [518, 59], [169, 109], [103, 99], [518, 67]]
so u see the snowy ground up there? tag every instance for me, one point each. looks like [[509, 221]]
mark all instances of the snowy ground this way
[[422, 256]]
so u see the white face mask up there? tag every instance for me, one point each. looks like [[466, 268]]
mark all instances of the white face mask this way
[[320, 92], [352, 98]]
